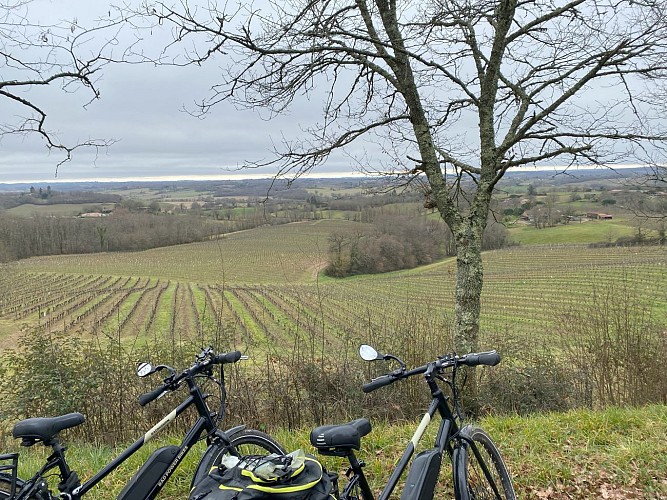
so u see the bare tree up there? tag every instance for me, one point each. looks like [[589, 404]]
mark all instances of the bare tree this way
[[658, 179], [36, 54], [454, 92], [647, 196]]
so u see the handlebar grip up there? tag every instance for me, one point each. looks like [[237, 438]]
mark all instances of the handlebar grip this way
[[377, 383], [144, 399], [490, 358], [227, 357]]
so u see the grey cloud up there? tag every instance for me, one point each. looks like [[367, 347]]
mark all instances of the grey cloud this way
[[141, 107]]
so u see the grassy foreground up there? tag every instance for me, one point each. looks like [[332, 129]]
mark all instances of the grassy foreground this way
[[616, 453]]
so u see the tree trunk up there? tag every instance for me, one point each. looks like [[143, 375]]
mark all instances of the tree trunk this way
[[469, 278]]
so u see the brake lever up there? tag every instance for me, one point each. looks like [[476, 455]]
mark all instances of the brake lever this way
[[205, 353]]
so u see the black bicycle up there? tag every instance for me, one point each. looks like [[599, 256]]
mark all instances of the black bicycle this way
[[478, 469], [156, 471]]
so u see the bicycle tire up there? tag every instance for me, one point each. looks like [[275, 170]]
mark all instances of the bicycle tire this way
[[470, 482], [5, 488], [246, 442]]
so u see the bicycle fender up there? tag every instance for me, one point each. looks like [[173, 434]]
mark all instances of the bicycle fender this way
[[233, 430]]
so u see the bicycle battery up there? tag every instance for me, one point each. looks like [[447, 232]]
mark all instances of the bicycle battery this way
[[423, 476], [143, 482]]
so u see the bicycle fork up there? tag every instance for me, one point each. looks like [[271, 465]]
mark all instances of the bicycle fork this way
[[480, 460]]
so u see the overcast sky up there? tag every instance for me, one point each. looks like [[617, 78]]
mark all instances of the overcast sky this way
[[141, 108]]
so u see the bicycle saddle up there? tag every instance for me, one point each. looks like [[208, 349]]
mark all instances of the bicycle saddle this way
[[343, 436], [32, 430]]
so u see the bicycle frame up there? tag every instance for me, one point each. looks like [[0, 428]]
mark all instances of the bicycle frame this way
[[190, 439], [70, 487], [451, 438], [447, 430]]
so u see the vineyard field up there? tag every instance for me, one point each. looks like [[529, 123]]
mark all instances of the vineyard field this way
[[262, 287], [284, 254]]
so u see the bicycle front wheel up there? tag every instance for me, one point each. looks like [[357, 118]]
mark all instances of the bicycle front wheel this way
[[246, 442], [479, 470]]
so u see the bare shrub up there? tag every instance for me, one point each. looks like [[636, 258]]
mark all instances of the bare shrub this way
[[56, 373], [531, 378], [616, 345], [416, 337], [311, 383]]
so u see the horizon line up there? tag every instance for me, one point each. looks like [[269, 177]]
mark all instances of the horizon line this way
[[184, 177], [261, 176]]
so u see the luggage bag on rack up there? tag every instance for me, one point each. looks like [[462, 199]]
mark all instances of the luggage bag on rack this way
[[296, 476]]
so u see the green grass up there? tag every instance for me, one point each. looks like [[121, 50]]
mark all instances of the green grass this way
[[163, 316], [573, 233], [116, 319], [60, 210], [616, 453], [584, 452], [244, 315], [7, 329]]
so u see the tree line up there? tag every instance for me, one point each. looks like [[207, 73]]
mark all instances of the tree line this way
[[21, 237], [47, 196], [398, 242]]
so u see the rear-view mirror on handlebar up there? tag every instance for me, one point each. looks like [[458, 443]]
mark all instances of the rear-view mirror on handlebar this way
[[144, 369], [369, 353]]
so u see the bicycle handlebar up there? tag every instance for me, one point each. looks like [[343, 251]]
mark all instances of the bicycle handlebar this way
[[376, 383], [225, 358], [172, 383], [144, 399], [489, 358]]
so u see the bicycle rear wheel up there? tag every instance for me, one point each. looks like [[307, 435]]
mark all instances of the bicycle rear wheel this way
[[246, 442], [470, 480], [6, 488]]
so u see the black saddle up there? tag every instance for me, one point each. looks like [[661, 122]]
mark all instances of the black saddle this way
[[32, 430], [340, 439]]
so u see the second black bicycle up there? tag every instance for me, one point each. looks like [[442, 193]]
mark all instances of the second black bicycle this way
[[478, 469], [160, 466]]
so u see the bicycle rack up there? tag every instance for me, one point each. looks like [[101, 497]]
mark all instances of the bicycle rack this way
[[13, 458]]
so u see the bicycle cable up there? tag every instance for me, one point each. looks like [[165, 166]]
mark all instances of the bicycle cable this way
[[455, 393], [223, 394]]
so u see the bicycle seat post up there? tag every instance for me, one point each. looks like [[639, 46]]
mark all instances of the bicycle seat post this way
[[69, 480], [356, 474]]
